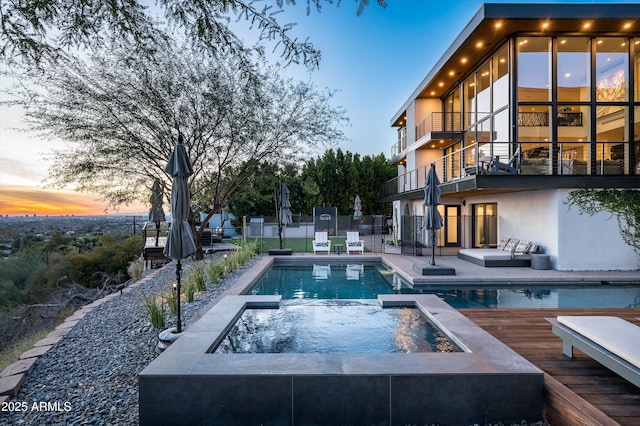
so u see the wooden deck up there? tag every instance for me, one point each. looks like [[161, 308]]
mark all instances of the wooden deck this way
[[578, 391]]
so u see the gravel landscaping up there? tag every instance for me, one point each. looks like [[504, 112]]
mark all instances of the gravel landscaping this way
[[91, 375]]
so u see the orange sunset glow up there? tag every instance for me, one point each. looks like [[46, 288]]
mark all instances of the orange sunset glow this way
[[18, 200]]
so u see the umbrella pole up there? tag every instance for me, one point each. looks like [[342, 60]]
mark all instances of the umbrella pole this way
[[178, 269], [433, 238], [278, 198], [157, 233]]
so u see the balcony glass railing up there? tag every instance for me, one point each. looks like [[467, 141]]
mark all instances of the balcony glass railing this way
[[560, 158], [439, 122], [401, 144]]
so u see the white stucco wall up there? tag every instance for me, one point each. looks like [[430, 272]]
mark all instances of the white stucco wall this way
[[591, 242], [574, 241]]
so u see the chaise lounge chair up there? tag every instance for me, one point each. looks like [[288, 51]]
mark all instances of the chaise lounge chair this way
[[321, 243], [354, 243], [612, 341]]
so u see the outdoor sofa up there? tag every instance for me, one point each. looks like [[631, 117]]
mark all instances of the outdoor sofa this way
[[510, 252]]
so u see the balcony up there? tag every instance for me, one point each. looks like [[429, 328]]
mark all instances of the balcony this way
[[436, 126], [535, 166], [439, 125]]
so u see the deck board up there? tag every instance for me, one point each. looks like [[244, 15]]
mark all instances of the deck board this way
[[588, 383]]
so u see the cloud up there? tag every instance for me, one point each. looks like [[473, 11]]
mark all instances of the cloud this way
[[25, 200]]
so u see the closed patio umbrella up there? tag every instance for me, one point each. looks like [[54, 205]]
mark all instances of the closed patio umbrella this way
[[357, 209], [156, 212], [283, 208], [433, 218], [180, 242]]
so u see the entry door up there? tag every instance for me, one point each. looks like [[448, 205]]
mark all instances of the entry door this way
[[485, 225]]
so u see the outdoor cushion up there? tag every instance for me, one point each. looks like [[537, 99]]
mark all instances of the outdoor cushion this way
[[612, 333], [503, 243], [511, 245], [523, 247]]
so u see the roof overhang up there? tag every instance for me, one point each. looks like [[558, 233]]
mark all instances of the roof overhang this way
[[494, 22]]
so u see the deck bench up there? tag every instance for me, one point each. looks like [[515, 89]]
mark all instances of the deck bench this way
[[612, 341]]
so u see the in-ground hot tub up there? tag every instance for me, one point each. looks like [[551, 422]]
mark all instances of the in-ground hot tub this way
[[486, 382]]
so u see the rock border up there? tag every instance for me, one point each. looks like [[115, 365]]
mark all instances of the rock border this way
[[14, 375]]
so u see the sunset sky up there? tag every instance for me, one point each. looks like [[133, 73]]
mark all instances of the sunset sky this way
[[374, 62]]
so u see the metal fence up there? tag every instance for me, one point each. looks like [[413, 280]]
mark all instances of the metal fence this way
[[374, 230], [377, 232]]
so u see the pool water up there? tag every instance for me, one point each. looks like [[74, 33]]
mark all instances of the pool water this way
[[334, 326], [325, 281], [366, 281]]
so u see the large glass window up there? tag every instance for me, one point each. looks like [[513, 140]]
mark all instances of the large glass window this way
[[636, 143], [501, 126], [636, 67], [483, 92], [534, 69], [612, 153], [469, 88], [534, 135], [501, 78], [574, 139], [452, 112], [574, 69], [612, 71]]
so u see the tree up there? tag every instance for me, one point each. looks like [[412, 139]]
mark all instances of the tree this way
[[624, 204], [257, 195], [120, 112], [337, 177], [37, 31]]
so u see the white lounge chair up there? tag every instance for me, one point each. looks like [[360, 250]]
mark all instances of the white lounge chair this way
[[354, 243], [612, 341], [321, 243]]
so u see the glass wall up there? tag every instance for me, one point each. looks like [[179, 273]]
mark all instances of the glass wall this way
[[534, 69], [501, 79], [574, 139], [483, 91], [557, 127], [636, 67], [534, 135], [612, 71], [574, 69], [469, 89], [452, 112]]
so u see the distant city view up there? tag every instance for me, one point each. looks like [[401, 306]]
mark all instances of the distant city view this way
[[13, 229]]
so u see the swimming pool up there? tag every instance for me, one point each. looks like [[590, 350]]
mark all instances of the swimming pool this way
[[334, 326], [368, 280]]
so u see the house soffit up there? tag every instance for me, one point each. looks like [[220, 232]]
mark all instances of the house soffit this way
[[495, 23]]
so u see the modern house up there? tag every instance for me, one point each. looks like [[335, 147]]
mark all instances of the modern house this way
[[530, 102]]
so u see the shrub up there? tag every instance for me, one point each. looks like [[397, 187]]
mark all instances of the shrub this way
[[156, 312], [190, 293], [172, 302], [136, 268]]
